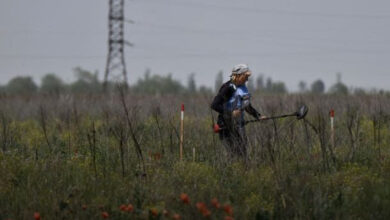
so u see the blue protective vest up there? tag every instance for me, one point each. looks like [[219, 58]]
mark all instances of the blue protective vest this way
[[239, 100]]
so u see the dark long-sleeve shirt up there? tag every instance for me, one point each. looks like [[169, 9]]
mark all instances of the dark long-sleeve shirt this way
[[224, 94]]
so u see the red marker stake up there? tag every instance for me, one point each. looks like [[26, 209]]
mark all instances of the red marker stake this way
[[181, 132], [331, 113]]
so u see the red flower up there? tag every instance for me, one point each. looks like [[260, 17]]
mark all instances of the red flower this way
[[37, 216], [84, 207], [123, 208], [206, 213], [215, 203], [184, 198], [105, 214], [154, 212], [157, 156], [165, 213], [130, 208], [201, 206], [176, 217], [228, 209]]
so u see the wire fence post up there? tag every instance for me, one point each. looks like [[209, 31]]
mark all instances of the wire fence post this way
[[181, 132]]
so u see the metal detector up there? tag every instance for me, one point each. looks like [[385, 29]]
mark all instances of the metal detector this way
[[300, 114]]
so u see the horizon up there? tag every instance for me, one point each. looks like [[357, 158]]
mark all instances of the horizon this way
[[199, 86]]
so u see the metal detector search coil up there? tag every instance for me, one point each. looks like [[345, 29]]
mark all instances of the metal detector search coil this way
[[302, 112]]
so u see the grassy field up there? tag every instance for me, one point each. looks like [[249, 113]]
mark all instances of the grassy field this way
[[117, 157]]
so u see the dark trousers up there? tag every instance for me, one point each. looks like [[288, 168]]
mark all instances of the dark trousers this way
[[233, 136]]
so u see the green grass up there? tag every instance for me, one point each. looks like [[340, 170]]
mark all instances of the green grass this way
[[88, 158]]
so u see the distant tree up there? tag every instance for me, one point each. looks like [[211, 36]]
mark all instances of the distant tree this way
[[359, 91], [191, 85], [339, 87], [147, 74], [278, 87], [205, 90], [302, 86], [52, 84], [86, 81], [272, 87], [268, 85], [218, 80], [318, 87], [2, 89], [250, 85], [158, 85], [260, 82], [22, 85]]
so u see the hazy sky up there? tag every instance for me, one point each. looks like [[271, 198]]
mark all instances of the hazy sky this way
[[288, 40]]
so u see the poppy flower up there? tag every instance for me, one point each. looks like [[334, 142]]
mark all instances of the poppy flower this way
[[201, 206], [206, 213], [105, 214], [176, 217], [157, 156], [84, 207], [228, 209], [130, 208], [215, 203], [184, 198], [154, 212], [37, 216], [123, 208]]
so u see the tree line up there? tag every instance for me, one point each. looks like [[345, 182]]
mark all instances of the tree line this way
[[88, 82]]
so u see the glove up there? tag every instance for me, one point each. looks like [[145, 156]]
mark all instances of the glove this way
[[236, 113]]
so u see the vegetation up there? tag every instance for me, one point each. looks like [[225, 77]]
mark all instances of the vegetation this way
[[72, 151], [91, 156], [88, 82]]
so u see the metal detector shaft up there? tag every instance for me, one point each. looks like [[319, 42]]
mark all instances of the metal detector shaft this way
[[300, 114], [269, 118]]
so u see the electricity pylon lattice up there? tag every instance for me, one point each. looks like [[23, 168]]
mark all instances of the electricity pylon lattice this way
[[116, 66]]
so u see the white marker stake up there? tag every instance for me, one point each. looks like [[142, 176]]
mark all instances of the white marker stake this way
[[181, 132], [331, 113]]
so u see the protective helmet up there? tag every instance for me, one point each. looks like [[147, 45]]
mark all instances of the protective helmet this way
[[240, 69]]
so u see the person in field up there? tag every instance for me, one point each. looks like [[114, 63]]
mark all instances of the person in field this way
[[232, 100]]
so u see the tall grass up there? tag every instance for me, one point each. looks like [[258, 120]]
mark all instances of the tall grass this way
[[74, 157]]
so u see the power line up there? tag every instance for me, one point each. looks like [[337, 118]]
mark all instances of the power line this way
[[48, 57], [283, 12]]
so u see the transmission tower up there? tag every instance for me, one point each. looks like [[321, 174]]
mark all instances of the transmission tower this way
[[116, 66]]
